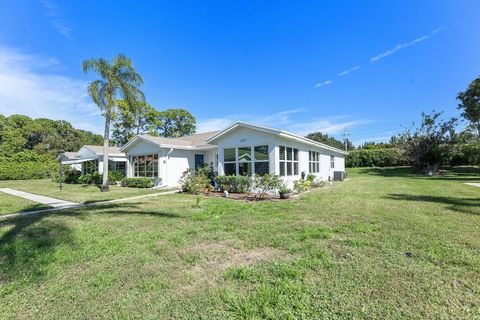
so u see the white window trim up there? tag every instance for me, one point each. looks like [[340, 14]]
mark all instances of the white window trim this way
[[293, 161], [332, 162]]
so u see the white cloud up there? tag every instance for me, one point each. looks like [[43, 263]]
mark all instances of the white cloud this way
[[55, 13], [26, 89], [348, 71], [327, 125], [324, 83]]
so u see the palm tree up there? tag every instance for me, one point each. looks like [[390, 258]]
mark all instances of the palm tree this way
[[118, 79]]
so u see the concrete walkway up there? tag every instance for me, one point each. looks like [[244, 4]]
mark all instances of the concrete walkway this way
[[75, 205], [473, 184], [52, 202]]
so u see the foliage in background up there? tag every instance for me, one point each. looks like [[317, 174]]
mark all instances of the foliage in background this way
[[137, 182], [470, 106], [44, 136], [234, 184], [328, 140], [390, 157], [174, 123], [131, 119]]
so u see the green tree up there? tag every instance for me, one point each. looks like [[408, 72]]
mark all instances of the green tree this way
[[470, 106], [174, 123], [429, 144], [118, 79], [130, 120]]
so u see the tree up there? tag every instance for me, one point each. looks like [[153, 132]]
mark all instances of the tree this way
[[118, 79], [328, 140], [129, 120], [174, 123], [470, 106], [429, 144]]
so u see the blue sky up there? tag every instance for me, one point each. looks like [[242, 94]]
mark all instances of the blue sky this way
[[302, 66]]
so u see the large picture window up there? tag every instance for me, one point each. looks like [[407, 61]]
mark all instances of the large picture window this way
[[246, 161], [288, 161], [314, 161], [145, 166]]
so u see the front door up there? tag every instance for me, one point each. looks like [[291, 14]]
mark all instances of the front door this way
[[198, 160]]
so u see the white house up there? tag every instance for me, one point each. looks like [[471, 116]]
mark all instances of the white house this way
[[240, 149], [89, 159]]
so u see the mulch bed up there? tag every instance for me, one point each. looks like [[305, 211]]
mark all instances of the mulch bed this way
[[243, 196]]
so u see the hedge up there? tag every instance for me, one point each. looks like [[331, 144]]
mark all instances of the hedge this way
[[137, 182], [10, 170], [465, 154], [391, 157]]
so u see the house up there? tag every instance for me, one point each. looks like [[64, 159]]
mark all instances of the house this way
[[240, 149], [89, 159]]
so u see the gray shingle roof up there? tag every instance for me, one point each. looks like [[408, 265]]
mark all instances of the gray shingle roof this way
[[190, 141], [99, 149]]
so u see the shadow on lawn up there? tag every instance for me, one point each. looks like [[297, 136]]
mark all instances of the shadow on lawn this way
[[446, 173], [465, 205], [28, 244]]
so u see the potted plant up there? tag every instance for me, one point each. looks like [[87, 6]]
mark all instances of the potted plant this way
[[284, 192]]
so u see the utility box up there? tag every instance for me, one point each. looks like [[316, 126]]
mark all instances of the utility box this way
[[338, 175]]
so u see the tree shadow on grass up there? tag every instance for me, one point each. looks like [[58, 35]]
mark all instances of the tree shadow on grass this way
[[445, 173], [28, 243], [465, 205]]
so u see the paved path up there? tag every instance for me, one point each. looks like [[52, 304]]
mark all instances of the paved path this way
[[473, 184], [77, 205], [52, 202]]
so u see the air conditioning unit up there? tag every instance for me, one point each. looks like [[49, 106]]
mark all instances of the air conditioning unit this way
[[338, 175]]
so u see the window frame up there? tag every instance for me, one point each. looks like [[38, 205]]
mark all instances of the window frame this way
[[252, 160], [313, 161], [332, 162], [292, 165], [139, 170]]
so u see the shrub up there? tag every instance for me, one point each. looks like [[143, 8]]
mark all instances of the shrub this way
[[137, 182], [194, 181], [302, 185], [90, 178], [234, 184], [114, 176], [71, 175], [465, 154], [267, 183], [310, 177], [318, 184], [284, 189]]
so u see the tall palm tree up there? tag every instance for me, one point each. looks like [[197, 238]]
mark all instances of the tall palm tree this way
[[118, 80]]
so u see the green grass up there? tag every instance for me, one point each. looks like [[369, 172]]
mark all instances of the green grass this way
[[74, 192], [334, 253], [12, 204]]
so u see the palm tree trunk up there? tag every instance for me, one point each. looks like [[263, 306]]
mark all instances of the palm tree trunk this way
[[106, 143]]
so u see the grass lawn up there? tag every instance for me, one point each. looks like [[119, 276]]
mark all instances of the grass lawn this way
[[12, 204], [70, 192], [385, 244]]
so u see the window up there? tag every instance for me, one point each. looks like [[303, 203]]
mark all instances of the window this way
[[288, 161], [314, 161], [246, 161], [145, 166], [332, 162], [116, 166], [90, 167]]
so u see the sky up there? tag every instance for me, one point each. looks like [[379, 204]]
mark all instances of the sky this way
[[301, 66]]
